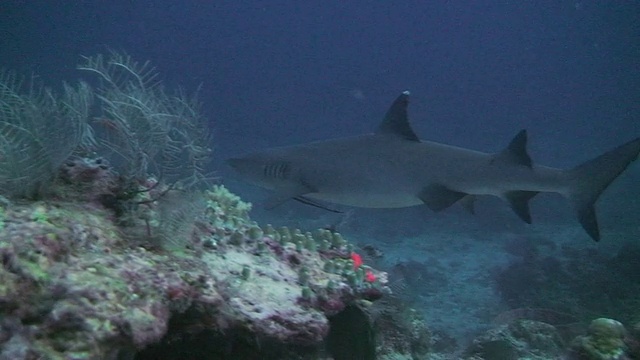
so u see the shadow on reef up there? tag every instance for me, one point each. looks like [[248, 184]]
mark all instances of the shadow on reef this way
[[351, 336], [214, 345]]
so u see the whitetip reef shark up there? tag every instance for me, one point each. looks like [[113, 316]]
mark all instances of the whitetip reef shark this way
[[393, 168]]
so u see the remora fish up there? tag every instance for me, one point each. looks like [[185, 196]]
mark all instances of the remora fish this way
[[392, 168]]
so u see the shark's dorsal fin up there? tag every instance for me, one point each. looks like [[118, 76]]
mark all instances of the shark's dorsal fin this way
[[396, 121], [516, 151]]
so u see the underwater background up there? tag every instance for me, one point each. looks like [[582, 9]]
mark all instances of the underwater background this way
[[274, 73]]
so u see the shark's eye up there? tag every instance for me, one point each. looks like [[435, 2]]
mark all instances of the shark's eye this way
[[277, 170]]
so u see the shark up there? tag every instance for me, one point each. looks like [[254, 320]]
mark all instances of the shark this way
[[393, 168]]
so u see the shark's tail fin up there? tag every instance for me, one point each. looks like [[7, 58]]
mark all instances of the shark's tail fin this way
[[588, 180]]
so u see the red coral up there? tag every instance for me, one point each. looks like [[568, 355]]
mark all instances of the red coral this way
[[357, 260], [370, 276]]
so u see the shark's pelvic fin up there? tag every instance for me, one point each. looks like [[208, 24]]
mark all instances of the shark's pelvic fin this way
[[589, 180], [396, 121], [439, 197], [516, 152]]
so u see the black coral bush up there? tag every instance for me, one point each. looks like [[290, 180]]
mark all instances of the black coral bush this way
[[144, 129], [127, 117], [39, 130]]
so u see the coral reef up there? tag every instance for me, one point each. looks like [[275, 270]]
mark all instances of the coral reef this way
[[73, 287]]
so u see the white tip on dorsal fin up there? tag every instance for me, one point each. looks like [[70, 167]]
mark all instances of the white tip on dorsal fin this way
[[396, 121]]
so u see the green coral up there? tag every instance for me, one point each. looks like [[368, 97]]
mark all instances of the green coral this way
[[2, 218], [225, 209], [40, 215], [604, 341]]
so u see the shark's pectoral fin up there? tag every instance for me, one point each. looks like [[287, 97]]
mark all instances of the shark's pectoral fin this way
[[519, 202], [305, 200], [439, 197], [283, 194], [516, 152]]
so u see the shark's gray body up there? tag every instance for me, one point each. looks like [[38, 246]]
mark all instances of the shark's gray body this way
[[392, 168]]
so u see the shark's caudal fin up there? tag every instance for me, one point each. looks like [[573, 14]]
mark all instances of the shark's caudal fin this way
[[587, 181]]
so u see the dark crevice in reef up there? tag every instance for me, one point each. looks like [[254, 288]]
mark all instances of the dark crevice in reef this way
[[182, 343]]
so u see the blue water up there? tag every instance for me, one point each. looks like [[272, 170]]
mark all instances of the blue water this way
[[278, 73]]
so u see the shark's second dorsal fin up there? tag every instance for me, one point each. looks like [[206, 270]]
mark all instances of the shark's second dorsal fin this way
[[396, 121], [516, 152], [519, 202]]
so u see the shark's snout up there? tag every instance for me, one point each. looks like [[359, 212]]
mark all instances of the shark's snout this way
[[234, 162]]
